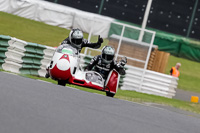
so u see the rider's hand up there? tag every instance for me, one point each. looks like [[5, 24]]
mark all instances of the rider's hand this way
[[123, 61], [100, 40]]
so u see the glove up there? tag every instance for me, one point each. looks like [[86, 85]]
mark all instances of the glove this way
[[123, 61], [122, 71], [100, 40]]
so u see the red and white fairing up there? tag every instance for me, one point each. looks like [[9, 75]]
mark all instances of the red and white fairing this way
[[63, 64], [112, 81]]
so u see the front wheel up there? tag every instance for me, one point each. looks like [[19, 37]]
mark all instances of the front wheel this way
[[62, 82], [110, 94]]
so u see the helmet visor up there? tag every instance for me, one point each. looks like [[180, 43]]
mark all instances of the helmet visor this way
[[77, 41], [107, 57]]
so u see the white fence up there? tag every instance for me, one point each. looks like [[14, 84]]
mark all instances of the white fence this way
[[14, 60], [151, 83]]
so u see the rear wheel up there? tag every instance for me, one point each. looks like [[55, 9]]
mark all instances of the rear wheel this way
[[62, 82], [110, 94]]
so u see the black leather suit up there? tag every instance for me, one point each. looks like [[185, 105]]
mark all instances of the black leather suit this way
[[103, 68]]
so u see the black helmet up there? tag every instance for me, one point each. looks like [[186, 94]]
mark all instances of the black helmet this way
[[107, 54], [76, 37]]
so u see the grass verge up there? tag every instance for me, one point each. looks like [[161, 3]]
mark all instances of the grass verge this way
[[189, 73]]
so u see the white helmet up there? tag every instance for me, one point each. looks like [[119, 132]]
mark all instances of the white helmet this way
[[107, 54], [76, 38]]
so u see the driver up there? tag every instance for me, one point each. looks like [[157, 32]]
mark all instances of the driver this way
[[76, 40], [105, 62]]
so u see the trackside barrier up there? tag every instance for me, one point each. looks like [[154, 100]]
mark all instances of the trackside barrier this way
[[153, 82], [14, 55], [3, 48], [27, 58], [48, 54], [31, 60]]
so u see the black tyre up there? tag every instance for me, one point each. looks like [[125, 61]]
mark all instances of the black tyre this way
[[62, 82], [110, 94], [47, 75]]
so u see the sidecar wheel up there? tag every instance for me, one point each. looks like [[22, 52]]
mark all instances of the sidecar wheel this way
[[110, 94], [62, 82]]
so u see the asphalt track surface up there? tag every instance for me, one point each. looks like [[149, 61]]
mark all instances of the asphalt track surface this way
[[32, 106]]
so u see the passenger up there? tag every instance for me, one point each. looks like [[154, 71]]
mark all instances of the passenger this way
[[105, 62]]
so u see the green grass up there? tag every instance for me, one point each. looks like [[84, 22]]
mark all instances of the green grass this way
[[34, 31], [37, 32], [189, 78], [146, 98], [31, 31]]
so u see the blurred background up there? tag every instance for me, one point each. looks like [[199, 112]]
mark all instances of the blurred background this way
[[175, 16]]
